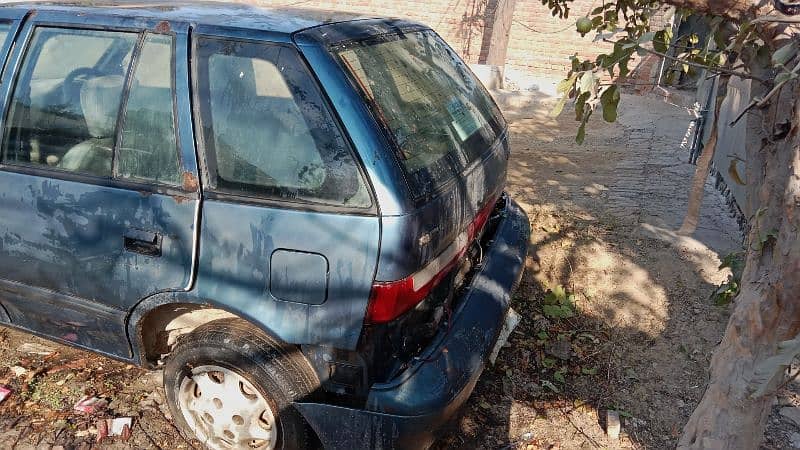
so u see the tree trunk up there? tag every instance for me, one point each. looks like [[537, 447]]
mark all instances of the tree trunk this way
[[767, 310]]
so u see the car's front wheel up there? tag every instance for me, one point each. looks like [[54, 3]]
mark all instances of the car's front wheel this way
[[230, 386]]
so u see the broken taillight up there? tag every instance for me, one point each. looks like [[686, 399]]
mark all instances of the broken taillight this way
[[390, 300]]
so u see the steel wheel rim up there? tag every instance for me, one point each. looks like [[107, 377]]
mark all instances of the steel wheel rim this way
[[225, 411]]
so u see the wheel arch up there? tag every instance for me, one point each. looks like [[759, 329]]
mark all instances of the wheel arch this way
[[155, 324]]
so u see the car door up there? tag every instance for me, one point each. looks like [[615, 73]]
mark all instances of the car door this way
[[98, 197]]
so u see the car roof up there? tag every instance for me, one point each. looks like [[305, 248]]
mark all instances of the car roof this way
[[238, 15]]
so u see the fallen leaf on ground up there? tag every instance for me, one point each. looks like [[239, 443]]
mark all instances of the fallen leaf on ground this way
[[4, 393], [90, 405]]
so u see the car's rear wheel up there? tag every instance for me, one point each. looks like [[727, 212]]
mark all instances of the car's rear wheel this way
[[230, 386]]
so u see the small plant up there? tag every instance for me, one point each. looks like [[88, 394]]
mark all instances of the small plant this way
[[726, 292], [558, 303]]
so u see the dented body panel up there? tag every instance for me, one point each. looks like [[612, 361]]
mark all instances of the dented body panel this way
[[236, 253]]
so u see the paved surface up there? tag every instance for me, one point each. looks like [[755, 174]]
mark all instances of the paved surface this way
[[644, 175]]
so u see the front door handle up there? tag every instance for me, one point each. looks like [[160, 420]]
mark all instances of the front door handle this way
[[143, 242]]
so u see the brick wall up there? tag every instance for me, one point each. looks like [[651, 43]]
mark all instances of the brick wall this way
[[537, 42], [459, 22]]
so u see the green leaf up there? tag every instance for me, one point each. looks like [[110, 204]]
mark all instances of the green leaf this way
[[589, 371], [566, 84], [542, 335], [548, 363], [784, 54], [784, 76], [551, 386], [559, 106], [587, 82], [580, 105], [579, 138], [559, 376], [610, 100], [646, 37], [660, 43]]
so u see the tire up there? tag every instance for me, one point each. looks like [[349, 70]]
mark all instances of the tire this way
[[210, 359]]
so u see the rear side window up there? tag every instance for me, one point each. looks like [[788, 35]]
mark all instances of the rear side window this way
[[267, 130], [148, 147], [67, 98], [5, 30]]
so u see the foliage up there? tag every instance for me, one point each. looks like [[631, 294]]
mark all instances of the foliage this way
[[558, 303], [726, 292], [626, 24]]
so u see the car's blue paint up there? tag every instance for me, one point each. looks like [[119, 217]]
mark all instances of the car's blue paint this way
[[278, 20], [299, 277], [64, 234], [405, 412], [440, 218], [235, 248], [68, 237], [70, 319], [61, 238]]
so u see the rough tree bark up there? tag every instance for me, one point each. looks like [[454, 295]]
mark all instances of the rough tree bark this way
[[767, 309]]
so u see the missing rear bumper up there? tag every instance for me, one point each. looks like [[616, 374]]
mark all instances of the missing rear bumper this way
[[406, 411]]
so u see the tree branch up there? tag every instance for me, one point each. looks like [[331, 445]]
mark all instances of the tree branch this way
[[761, 102], [736, 10], [720, 70]]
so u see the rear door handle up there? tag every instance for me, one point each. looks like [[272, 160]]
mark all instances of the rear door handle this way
[[143, 242]]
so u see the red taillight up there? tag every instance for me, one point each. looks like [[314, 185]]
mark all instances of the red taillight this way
[[390, 300]]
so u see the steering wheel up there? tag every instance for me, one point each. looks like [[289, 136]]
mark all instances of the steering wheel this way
[[74, 82]]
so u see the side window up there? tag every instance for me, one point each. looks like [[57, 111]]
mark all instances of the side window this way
[[66, 100], [148, 148], [5, 29], [266, 129]]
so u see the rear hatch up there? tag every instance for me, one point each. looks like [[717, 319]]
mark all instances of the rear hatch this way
[[450, 139]]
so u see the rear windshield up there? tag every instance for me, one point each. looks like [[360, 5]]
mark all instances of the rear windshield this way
[[441, 118]]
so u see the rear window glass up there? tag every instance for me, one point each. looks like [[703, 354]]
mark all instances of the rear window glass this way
[[439, 115]]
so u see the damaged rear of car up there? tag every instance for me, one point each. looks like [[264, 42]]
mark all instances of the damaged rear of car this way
[[453, 244]]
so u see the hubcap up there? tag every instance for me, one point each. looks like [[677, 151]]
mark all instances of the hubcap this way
[[225, 411]]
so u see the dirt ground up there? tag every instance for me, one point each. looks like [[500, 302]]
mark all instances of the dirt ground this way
[[637, 341]]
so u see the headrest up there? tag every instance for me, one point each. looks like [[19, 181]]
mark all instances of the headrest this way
[[100, 99]]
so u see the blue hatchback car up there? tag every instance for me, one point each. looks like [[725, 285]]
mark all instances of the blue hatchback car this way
[[299, 216]]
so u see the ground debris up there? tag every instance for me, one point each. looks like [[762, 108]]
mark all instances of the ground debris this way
[[33, 348], [90, 405], [4, 393], [613, 425]]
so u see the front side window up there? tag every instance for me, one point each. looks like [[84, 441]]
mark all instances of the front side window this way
[[67, 98], [266, 129]]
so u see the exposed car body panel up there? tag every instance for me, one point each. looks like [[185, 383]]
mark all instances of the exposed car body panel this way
[[405, 412], [237, 242], [279, 20]]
